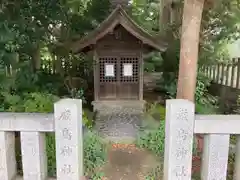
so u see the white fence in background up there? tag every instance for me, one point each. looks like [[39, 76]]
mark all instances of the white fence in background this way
[[224, 74], [181, 125], [66, 122]]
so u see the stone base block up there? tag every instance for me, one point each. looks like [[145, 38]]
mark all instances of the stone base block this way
[[108, 107]]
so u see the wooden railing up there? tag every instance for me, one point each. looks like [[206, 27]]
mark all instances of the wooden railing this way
[[181, 125], [66, 122], [224, 74]]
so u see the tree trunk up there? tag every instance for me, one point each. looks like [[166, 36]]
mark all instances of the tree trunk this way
[[192, 15], [36, 59], [164, 16]]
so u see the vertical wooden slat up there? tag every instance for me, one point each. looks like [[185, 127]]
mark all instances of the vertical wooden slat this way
[[237, 160], [227, 75], [34, 150], [208, 71], [222, 74], [232, 74], [211, 72], [178, 139], [238, 74], [218, 73], [7, 156], [214, 73], [69, 139], [235, 73], [215, 157]]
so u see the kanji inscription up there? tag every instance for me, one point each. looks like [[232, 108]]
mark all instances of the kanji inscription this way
[[67, 169], [68, 125], [179, 138], [66, 151], [65, 115], [66, 133]]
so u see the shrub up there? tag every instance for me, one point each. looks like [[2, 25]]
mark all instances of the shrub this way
[[39, 102], [153, 140], [94, 152], [238, 106]]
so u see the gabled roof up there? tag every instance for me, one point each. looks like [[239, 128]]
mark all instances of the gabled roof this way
[[118, 16]]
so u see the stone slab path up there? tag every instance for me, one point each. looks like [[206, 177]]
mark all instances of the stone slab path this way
[[119, 126], [128, 163]]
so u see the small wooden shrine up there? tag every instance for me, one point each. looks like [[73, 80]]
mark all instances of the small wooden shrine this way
[[118, 45]]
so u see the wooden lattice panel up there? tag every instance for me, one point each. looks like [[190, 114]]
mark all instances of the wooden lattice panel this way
[[134, 61], [102, 62]]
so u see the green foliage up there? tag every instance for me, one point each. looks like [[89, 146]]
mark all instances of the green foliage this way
[[153, 140], [146, 14], [238, 106], [156, 173], [42, 103], [87, 119], [51, 153], [94, 152], [153, 62], [32, 102], [156, 110], [78, 94]]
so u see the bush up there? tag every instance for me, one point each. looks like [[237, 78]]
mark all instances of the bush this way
[[153, 140], [156, 110], [237, 111], [94, 152]]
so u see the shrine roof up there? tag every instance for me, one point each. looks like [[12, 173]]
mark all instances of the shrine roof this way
[[117, 17]]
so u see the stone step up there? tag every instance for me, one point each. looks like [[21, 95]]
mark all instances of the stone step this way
[[119, 107]]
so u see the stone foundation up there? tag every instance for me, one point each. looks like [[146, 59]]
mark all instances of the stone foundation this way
[[119, 120], [110, 107]]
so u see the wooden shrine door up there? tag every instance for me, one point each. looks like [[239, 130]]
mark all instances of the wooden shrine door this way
[[119, 78]]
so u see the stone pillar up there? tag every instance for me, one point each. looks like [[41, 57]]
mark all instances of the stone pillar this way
[[178, 139], [33, 150], [69, 139], [8, 166], [215, 156], [237, 160]]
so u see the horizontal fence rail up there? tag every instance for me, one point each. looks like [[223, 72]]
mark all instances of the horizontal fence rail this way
[[66, 122], [181, 125], [224, 74]]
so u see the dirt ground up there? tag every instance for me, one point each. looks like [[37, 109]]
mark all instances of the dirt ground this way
[[126, 162]]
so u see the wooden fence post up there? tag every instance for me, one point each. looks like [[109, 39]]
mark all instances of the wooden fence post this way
[[178, 139], [69, 139], [238, 74], [233, 73]]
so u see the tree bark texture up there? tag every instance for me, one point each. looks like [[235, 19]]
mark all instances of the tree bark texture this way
[[192, 15], [36, 59]]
